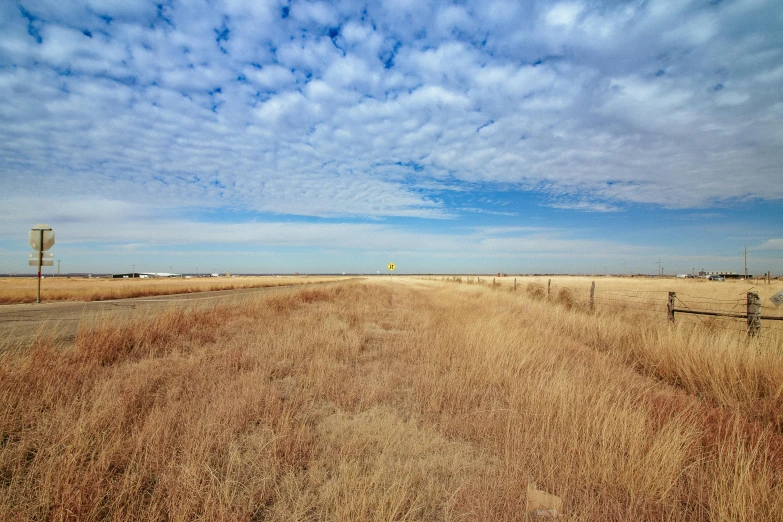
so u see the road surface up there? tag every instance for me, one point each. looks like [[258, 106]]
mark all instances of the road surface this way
[[20, 323]]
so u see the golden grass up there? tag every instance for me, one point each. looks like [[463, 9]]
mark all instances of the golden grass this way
[[377, 401], [701, 289], [23, 290]]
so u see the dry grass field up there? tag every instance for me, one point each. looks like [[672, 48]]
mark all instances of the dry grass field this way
[[403, 400], [648, 287], [647, 297], [23, 290]]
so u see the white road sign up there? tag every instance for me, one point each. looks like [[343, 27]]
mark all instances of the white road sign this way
[[777, 298], [48, 259], [34, 237]]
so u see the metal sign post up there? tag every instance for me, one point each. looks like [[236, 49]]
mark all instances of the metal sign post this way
[[41, 237], [391, 271]]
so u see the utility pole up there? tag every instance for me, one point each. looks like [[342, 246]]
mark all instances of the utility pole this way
[[58, 268], [624, 268], [133, 272], [660, 270], [746, 261]]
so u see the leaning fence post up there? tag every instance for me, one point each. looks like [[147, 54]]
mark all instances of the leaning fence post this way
[[548, 288], [592, 295], [670, 306], [754, 314]]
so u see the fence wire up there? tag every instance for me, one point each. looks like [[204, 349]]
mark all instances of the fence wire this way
[[710, 299], [655, 302]]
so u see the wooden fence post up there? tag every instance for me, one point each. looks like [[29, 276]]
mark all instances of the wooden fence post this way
[[548, 288], [592, 295], [670, 306], [754, 314], [515, 283]]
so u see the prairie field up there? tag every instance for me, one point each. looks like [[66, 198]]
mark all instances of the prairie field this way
[[647, 296], [411, 399], [23, 289]]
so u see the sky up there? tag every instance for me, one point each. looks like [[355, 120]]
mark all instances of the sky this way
[[279, 136]]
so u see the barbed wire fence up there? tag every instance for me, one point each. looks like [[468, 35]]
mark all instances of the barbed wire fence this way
[[744, 314]]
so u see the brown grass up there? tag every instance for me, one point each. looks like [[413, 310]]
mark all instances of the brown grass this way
[[402, 401], [23, 290]]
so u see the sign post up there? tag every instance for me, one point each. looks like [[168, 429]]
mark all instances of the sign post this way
[[391, 270], [41, 238]]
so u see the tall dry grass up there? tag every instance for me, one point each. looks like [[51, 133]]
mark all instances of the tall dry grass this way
[[726, 295], [377, 401], [23, 290], [713, 358]]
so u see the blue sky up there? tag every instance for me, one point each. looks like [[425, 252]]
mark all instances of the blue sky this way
[[488, 136]]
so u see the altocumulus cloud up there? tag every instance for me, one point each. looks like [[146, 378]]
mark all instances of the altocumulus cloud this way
[[382, 110]]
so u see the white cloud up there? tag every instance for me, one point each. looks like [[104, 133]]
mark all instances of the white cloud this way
[[586, 206], [696, 30], [321, 13], [351, 72], [564, 14], [272, 77], [311, 55], [659, 103], [772, 244], [133, 230], [451, 18]]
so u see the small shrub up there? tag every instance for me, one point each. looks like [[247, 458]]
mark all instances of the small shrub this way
[[566, 298], [535, 291]]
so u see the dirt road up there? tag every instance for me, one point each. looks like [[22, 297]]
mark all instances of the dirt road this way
[[20, 323]]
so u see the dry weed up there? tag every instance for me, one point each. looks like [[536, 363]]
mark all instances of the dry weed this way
[[23, 290], [411, 401]]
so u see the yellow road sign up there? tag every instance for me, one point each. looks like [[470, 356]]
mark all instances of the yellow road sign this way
[[391, 267]]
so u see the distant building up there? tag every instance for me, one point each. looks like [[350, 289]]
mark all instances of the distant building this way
[[727, 275], [144, 275]]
